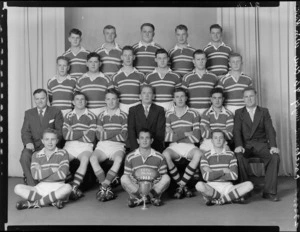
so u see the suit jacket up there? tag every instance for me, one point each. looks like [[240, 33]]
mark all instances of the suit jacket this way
[[32, 129], [256, 134], [155, 122]]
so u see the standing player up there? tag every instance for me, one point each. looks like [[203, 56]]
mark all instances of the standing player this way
[[79, 132], [182, 130], [145, 157], [219, 168], [199, 83], [110, 52], [49, 166], [216, 117], [234, 82], [76, 54], [145, 50], [217, 52], [94, 84], [112, 134], [61, 86], [128, 81], [163, 80], [181, 56]]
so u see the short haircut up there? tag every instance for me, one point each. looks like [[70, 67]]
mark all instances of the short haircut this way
[[145, 130], [217, 130], [63, 58], [217, 26], [198, 52], [216, 90], [76, 93], [93, 54], [235, 54], [249, 88], [109, 27], [149, 25], [181, 27], [39, 91], [161, 51], [113, 91], [147, 86], [127, 48], [180, 89], [50, 130], [75, 31]]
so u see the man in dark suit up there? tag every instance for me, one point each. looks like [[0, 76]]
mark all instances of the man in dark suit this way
[[254, 136], [36, 120], [147, 115]]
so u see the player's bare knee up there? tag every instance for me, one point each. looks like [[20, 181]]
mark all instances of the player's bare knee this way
[[200, 186]]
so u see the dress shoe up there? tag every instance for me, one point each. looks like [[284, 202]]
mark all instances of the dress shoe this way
[[271, 197]]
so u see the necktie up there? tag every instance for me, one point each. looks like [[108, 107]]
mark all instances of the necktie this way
[[146, 111], [41, 116]]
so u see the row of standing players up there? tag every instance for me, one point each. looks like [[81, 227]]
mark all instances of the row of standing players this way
[[128, 55]]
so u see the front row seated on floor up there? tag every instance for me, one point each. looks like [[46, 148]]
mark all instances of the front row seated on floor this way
[[219, 168], [50, 166]]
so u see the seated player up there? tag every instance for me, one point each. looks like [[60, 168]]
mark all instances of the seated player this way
[[61, 86], [163, 80], [79, 132], [145, 157], [181, 56], [49, 166], [112, 134], [94, 84], [219, 167], [128, 81], [182, 130], [234, 82], [216, 117], [110, 52]]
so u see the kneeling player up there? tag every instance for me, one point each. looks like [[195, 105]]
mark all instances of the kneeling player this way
[[111, 133], [219, 167], [50, 166], [145, 157]]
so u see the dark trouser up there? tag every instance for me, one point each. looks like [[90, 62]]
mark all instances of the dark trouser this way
[[271, 163], [25, 161]]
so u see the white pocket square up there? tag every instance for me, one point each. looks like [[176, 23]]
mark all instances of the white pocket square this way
[[52, 120]]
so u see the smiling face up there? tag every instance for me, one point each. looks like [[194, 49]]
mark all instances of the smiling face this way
[[109, 35], [216, 35], [147, 34], [112, 101], [250, 98], [79, 102], [40, 100], [50, 140], [144, 140]]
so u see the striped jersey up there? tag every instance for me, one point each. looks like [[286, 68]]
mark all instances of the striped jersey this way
[[128, 86], [83, 127], [210, 121], [155, 160], [61, 93], [164, 86], [145, 56], [94, 89], [182, 59], [54, 169], [217, 58], [199, 88], [77, 62], [216, 162], [190, 121], [110, 60], [115, 126], [234, 89]]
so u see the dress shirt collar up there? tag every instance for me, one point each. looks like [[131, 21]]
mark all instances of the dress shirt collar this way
[[44, 110]]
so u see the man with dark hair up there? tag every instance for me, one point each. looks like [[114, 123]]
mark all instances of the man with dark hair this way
[[142, 158], [144, 50], [77, 54], [36, 120], [147, 115], [255, 136]]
